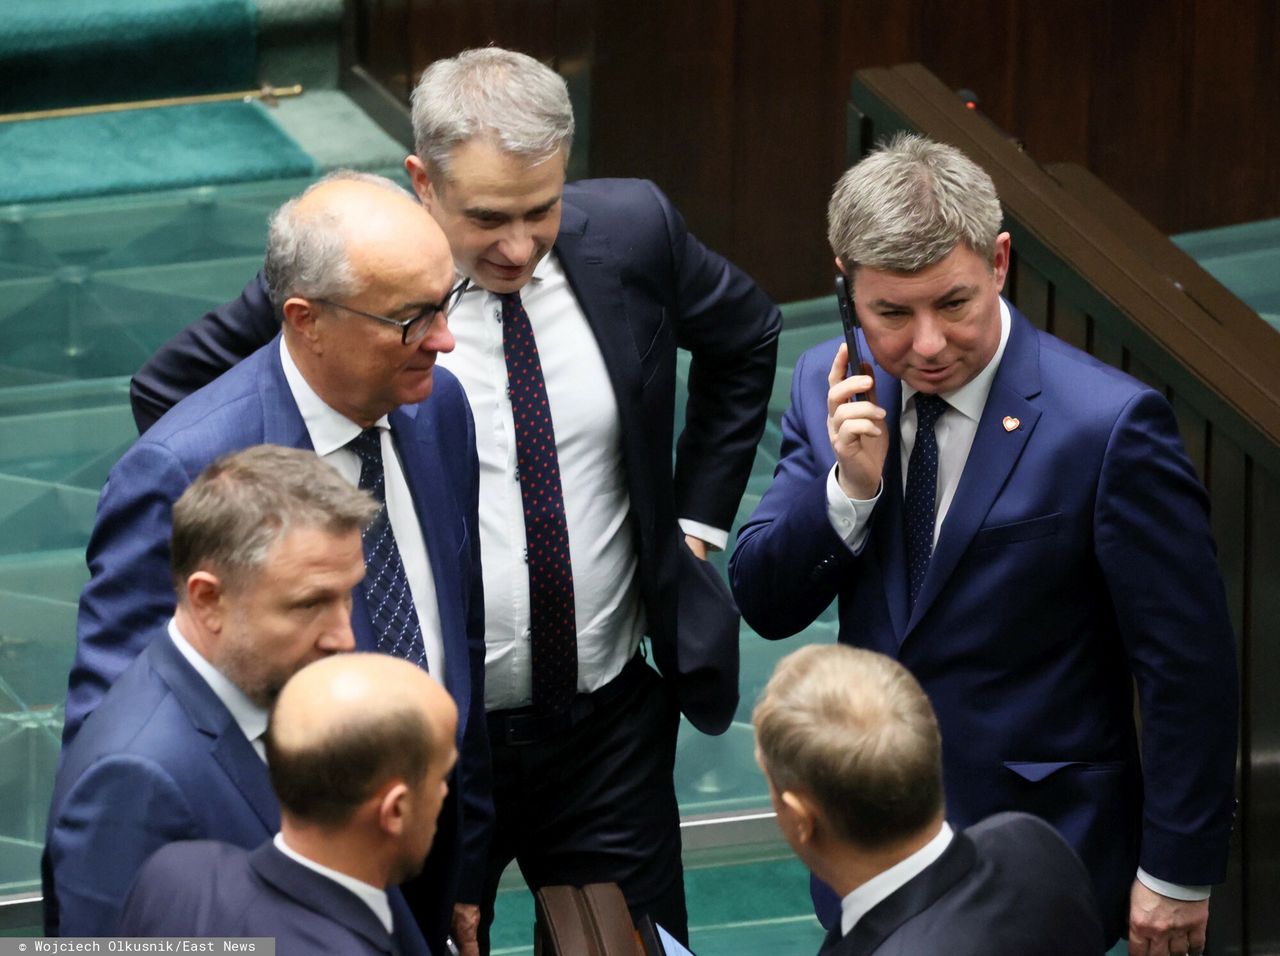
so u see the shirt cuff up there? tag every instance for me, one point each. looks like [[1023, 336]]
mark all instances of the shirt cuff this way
[[1175, 891], [716, 538], [850, 517]]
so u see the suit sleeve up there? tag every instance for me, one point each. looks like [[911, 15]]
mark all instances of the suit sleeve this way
[[130, 591], [789, 563], [203, 351], [730, 328], [116, 815], [1157, 556]]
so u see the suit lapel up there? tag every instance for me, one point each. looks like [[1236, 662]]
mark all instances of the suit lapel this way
[[911, 899], [442, 532], [282, 422], [596, 279], [995, 451], [228, 746]]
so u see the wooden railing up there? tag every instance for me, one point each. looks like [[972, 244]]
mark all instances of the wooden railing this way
[[1091, 271]]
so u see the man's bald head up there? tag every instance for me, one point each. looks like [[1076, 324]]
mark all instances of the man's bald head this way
[[344, 727], [328, 242], [361, 276]]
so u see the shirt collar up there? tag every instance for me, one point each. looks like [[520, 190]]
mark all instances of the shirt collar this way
[[971, 398], [249, 717], [881, 886], [329, 429], [375, 898]]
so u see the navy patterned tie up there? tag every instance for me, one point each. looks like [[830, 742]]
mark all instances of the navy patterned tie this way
[[386, 586], [553, 625], [920, 497]]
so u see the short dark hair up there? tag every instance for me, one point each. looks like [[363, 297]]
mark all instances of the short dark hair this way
[[325, 781], [241, 504], [855, 731]]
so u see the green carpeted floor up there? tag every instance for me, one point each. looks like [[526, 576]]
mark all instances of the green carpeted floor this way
[[139, 150], [755, 907], [56, 53]]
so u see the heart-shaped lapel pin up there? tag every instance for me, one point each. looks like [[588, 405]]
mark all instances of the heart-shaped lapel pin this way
[[1010, 423]]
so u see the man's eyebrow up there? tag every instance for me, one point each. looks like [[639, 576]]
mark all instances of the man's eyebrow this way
[[485, 213], [482, 212], [955, 290]]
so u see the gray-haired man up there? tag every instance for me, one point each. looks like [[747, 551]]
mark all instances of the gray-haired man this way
[[360, 277], [595, 285], [1020, 526]]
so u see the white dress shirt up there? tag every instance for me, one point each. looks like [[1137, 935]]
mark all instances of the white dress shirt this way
[[330, 432], [883, 885], [597, 505], [249, 717], [375, 898]]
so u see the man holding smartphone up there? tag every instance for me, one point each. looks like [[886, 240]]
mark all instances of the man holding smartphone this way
[[1020, 526]]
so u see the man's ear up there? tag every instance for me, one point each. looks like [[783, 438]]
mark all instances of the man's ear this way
[[804, 815], [1000, 260], [300, 316], [840, 266], [420, 177], [393, 808], [204, 593]]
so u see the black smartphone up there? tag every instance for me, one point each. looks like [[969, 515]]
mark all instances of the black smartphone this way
[[849, 319]]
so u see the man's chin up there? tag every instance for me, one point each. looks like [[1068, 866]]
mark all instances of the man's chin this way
[[502, 281], [417, 385]]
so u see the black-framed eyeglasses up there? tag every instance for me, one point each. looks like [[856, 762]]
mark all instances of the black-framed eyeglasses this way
[[413, 329]]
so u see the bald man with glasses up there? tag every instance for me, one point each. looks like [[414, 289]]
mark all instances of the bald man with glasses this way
[[362, 279]]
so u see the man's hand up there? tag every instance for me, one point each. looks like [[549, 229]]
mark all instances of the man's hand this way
[[697, 546], [1160, 926], [465, 927], [856, 429]]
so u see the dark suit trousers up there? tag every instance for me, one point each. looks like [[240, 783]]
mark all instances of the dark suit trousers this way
[[596, 803]]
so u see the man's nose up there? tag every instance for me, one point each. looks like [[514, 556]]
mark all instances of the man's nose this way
[[928, 338], [439, 337], [518, 245], [338, 638]]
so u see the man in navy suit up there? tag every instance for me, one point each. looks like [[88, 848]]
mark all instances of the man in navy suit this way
[[266, 550], [851, 751], [611, 283], [359, 748], [360, 278], [1051, 548]]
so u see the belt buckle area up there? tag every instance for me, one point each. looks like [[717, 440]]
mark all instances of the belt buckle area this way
[[519, 730]]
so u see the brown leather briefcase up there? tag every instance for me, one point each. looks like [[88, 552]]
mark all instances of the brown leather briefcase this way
[[591, 920]]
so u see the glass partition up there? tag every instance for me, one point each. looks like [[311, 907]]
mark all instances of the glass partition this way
[[88, 290]]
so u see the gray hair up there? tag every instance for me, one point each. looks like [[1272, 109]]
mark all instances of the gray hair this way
[[240, 505], [307, 251], [511, 97], [853, 730], [908, 204]]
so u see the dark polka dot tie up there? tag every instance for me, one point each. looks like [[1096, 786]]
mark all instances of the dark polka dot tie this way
[[920, 498], [386, 586], [554, 630]]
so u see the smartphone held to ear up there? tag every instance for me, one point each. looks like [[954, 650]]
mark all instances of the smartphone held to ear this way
[[849, 319]]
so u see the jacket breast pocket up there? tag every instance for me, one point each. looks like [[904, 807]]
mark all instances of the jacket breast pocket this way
[[1027, 530]]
